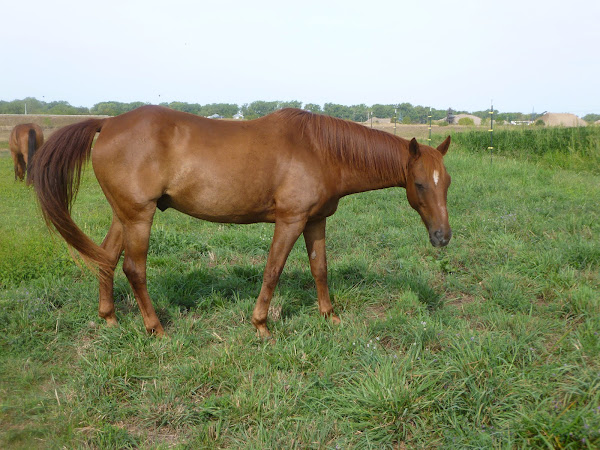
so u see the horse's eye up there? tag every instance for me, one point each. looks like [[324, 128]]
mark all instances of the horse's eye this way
[[420, 187]]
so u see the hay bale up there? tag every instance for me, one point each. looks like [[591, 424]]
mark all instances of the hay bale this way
[[562, 120], [476, 120]]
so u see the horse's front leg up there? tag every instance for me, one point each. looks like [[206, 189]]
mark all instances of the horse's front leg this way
[[314, 236], [285, 235]]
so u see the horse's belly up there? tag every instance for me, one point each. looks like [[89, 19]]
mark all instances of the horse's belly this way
[[229, 216], [246, 193], [225, 206]]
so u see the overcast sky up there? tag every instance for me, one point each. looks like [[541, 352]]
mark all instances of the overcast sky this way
[[525, 55]]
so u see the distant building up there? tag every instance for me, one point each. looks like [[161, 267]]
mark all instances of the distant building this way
[[238, 116], [215, 116]]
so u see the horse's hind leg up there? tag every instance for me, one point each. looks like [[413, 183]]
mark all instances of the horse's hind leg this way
[[15, 163], [22, 167], [19, 164], [113, 244], [137, 238]]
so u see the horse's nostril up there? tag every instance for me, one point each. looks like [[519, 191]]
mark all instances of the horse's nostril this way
[[439, 239]]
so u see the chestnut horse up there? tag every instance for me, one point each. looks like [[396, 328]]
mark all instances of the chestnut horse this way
[[24, 140], [290, 167]]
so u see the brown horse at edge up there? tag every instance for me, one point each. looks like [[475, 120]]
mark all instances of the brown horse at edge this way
[[290, 167], [23, 142]]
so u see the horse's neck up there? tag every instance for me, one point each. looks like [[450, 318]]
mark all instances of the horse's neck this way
[[354, 180]]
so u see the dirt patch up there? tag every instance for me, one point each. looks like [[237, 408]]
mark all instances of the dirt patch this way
[[460, 302], [377, 311], [377, 120]]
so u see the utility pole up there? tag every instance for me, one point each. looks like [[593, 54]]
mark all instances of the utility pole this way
[[429, 117], [491, 130]]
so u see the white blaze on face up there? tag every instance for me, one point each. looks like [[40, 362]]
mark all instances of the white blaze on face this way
[[436, 177]]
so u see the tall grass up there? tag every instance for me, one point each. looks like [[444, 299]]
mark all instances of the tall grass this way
[[575, 148], [491, 342]]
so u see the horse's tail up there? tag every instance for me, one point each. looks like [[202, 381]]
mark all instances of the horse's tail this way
[[31, 138], [56, 175], [31, 144]]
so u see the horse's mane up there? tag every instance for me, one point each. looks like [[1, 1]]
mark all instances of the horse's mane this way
[[349, 142]]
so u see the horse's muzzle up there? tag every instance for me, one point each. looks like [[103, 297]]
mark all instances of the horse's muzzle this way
[[440, 239]]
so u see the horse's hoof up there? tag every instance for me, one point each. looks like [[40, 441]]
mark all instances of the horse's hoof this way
[[261, 329], [335, 319], [111, 322], [156, 331], [264, 335], [267, 339]]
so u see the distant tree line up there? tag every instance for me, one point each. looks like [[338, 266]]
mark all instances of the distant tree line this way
[[402, 112], [35, 106]]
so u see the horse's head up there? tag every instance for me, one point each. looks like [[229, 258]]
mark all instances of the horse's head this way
[[427, 185]]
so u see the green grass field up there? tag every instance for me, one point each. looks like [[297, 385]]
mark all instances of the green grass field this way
[[491, 342]]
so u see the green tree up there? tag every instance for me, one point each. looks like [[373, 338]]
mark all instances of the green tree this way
[[313, 107], [407, 112], [360, 113], [383, 111], [192, 108], [438, 114], [63, 107], [485, 114], [114, 108], [420, 114], [290, 104], [339, 111], [259, 109], [59, 108], [591, 118], [222, 109], [35, 106]]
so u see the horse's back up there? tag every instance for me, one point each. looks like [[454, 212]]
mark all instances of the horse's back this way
[[217, 170], [19, 137]]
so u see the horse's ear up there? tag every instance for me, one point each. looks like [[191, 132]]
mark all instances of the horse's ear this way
[[443, 147], [413, 147]]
